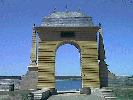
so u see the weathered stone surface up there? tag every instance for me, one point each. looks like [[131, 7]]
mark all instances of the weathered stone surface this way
[[33, 56], [67, 19], [85, 90], [29, 81], [45, 95], [103, 74], [111, 75], [53, 91], [101, 51], [103, 69]]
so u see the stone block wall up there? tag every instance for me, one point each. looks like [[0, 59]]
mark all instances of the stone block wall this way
[[46, 62], [29, 81]]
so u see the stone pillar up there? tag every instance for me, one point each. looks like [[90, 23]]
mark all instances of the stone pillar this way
[[33, 56], [103, 70], [30, 79]]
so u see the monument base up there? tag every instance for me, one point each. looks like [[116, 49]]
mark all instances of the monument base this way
[[53, 91], [29, 80], [32, 68], [85, 90]]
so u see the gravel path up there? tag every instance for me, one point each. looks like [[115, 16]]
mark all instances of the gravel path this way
[[75, 96]]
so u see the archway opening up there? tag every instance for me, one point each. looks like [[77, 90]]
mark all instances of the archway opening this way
[[67, 68]]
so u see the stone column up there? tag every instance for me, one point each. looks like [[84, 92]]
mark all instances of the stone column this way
[[103, 70], [33, 56], [30, 79]]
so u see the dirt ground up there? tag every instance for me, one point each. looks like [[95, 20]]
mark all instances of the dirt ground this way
[[8, 97]]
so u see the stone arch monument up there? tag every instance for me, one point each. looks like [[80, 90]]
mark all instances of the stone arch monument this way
[[61, 28]]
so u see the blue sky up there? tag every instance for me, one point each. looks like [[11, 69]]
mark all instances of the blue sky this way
[[18, 16]]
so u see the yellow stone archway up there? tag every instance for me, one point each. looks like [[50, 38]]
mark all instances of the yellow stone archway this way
[[73, 28], [46, 59]]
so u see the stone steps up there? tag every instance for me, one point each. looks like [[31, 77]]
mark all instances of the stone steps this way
[[38, 94], [108, 94], [43, 94]]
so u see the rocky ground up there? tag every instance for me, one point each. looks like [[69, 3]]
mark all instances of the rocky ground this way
[[75, 97], [14, 95], [8, 97]]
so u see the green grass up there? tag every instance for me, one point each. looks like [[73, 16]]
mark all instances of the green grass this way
[[123, 92]]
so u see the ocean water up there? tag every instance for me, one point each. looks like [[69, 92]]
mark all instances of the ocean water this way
[[68, 84]]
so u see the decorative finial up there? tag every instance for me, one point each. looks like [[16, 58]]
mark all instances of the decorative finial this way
[[66, 8], [79, 8], [99, 24], [55, 8]]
